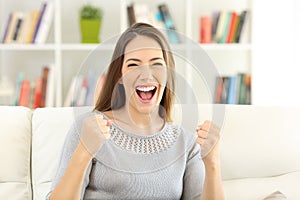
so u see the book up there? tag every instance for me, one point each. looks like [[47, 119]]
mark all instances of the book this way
[[225, 27], [242, 97], [50, 89], [24, 93], [7, 27], [69, 98], [215, 21], [18, 88], [140, 12], [169, 24], [24, 28], [219, 89], [248, 88], [231, 99], [91, 80], [37, 93], [45, 73], [12, 26], [39, 21], [81, 98], [45, 23], [237, 21], [221, 26], [17, 30], [232, 25], [205, 29], [243, 18], [130, 14], [34, 18]]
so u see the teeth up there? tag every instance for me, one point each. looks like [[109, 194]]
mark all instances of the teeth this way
[[145, 88]]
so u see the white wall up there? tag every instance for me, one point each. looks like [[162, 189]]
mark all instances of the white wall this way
[[276, 52]]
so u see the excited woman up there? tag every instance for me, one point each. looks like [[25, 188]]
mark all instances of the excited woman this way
[[127, 148]]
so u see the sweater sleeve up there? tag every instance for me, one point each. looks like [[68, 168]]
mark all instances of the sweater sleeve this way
[[70, 144], [194, 175]]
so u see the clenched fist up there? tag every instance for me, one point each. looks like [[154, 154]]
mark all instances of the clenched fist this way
[[94, 133]]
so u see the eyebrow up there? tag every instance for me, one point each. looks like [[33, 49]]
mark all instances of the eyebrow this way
[[138, 60]]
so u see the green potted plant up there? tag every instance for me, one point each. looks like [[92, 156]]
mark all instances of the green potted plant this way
[[90, 23]]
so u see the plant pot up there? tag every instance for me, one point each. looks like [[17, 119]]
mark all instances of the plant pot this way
[[90, 29]]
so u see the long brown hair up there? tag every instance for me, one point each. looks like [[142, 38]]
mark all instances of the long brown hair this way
[[105, 102]]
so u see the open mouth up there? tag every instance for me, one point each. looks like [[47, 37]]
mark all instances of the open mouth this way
[[146, 93]]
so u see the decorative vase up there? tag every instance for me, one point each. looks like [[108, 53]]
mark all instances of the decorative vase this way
[[90, 29]]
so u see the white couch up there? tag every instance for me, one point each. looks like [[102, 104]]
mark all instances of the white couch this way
[[260, 150]]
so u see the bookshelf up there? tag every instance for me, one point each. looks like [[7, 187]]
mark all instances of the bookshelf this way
[[64, 51]]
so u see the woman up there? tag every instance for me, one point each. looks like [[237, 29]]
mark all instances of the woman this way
[[127, 148]]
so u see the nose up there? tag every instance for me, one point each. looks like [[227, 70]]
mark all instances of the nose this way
[[146, 73]]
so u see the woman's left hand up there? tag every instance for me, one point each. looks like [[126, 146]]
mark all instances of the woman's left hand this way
[[208, 138]]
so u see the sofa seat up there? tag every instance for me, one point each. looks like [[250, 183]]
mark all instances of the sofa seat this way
[[260, 148], [259, 188]]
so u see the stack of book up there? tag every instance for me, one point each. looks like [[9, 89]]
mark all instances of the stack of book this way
[[84, 90], [233, 89], [160, 18], [31, 27], [35, 93], [224, 27]]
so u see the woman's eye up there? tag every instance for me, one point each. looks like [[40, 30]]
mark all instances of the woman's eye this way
[[132, 65], [157, 64]]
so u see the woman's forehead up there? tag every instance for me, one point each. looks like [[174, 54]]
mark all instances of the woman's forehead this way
[[142, 43]]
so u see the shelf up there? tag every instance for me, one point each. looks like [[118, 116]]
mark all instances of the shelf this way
[[27, 47], [64, 50], [229, 47], [86, 47]]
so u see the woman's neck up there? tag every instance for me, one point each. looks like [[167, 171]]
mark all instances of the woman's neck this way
[[138, 123]]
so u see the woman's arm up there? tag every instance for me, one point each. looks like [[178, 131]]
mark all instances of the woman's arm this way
[[70, 185], [208, 138], [82, 143], [213, 188]]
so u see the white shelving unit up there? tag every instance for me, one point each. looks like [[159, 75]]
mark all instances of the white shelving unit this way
[[64, 50]]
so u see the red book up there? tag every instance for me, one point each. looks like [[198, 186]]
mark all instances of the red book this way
[[37, 93], [24, 93], [231, 30], [205, 29], [219, 90]]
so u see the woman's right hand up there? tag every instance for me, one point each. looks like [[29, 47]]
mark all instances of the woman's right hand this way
[[94, 133]]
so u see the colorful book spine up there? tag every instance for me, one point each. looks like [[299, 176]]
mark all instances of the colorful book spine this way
[[205, 29], [7, 27], [42, 11], [169, 24]]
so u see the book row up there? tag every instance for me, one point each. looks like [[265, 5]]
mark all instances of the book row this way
[[233, 89], [29, 27], [35, 93], [160, 18], [84, 89], [224, 27]]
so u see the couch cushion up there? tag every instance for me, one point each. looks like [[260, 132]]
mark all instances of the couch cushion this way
[[49, 128], [259, 141], [15, 134], [259, 188]]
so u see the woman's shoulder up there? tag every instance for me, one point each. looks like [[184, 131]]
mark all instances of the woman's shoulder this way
[[185, 135]]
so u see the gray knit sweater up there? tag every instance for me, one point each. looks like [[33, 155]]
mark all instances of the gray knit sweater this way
[[165, 165]]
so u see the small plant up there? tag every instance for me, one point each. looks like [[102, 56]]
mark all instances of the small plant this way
[[90, 12]]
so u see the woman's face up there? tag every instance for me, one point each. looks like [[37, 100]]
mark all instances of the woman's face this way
[[144, 74]]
